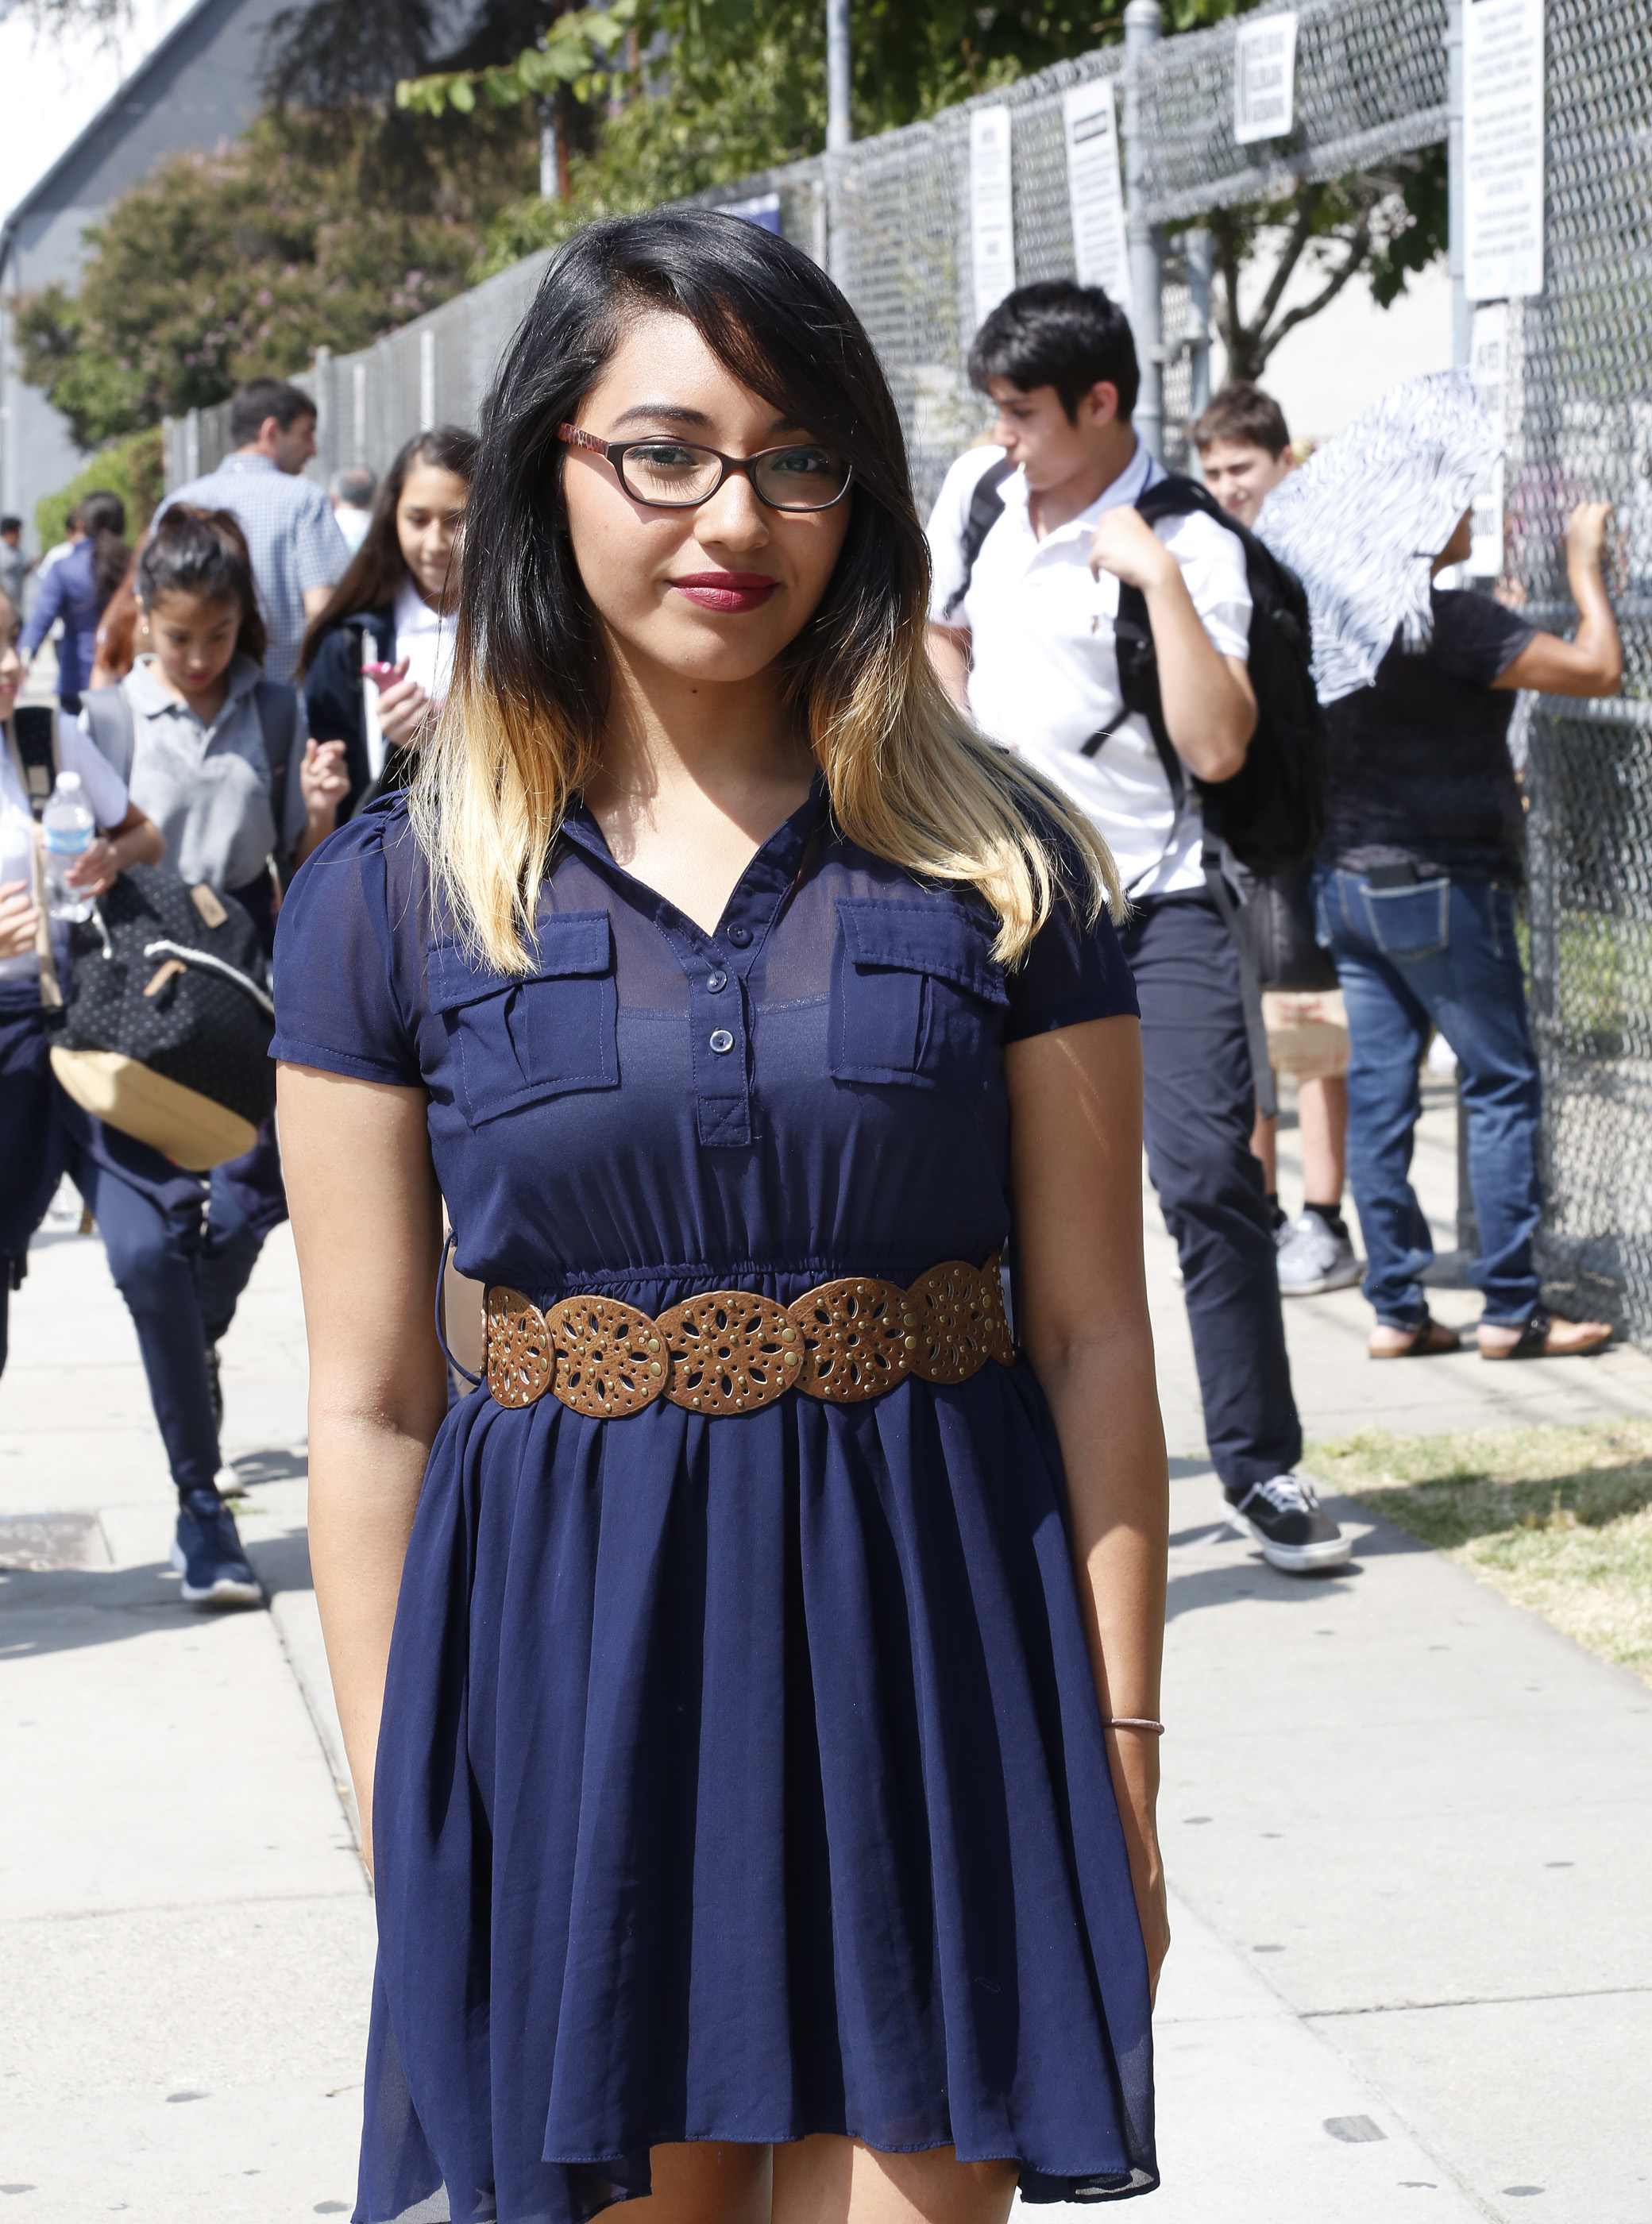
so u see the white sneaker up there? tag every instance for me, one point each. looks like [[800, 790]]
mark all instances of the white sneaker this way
[[1313, 1260]]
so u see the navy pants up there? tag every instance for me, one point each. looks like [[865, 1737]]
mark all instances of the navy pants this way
[[31, 1150], [1199, 1110], [1441, 952], [181, 1251]]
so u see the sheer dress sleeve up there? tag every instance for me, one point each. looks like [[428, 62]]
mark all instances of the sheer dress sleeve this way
[[1073, 972], [339, 1004]]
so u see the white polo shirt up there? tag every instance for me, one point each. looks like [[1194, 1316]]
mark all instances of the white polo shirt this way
[[1045, 672]]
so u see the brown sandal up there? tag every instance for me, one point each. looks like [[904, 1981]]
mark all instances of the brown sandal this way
[[1430, 1341], [1539, 1339]]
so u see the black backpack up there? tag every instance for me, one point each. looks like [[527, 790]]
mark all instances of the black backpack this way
[[1271, 813], [167, 1030]]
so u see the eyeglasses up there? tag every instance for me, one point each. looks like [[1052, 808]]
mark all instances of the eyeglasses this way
[[668, 474]]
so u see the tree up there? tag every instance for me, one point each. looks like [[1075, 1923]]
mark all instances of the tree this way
[[306, 231], [1388, 223]]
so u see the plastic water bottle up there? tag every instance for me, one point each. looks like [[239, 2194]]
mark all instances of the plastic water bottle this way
[[67, 829]]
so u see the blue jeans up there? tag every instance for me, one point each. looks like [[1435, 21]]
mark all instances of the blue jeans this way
[[1442, 951]]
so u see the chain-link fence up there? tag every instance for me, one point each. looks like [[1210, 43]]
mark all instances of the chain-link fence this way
[[890, 217], [1580, 428]]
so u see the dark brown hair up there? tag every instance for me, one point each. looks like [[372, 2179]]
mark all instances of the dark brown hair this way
[[203, 551], [1244, 413], [377, 568], [102, 517]]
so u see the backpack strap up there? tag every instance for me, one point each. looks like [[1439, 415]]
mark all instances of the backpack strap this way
[[985, 508], [277, 706], [113, 727]]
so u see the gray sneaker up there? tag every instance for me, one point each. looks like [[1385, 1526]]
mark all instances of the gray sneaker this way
[[1312, 1260]]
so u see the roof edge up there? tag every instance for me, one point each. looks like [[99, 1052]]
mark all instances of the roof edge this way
[[150, 62]]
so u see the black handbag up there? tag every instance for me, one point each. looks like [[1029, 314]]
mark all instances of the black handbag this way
[[1277, 934], [166, 1033]]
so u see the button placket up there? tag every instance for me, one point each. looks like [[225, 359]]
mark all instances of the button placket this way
[[722, 1075]]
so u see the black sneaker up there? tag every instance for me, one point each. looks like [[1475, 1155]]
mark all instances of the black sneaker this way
[[206, 1552], [215, 1387], [1283, 1516]]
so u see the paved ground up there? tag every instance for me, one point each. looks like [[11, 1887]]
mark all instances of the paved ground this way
[[1406, 1824]]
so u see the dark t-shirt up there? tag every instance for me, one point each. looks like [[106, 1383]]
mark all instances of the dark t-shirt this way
[[1419, 760]]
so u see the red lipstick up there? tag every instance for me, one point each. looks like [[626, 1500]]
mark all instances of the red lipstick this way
[[726, 591]]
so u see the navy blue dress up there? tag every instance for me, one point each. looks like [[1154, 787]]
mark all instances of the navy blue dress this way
[[742, 1777]]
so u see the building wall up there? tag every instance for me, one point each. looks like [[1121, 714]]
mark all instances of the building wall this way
[[199, 86]]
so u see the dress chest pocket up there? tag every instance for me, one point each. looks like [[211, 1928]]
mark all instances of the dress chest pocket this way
[[516, 1038], [916, 997]]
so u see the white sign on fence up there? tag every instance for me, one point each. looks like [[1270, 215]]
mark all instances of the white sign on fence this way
[[1488, 357], [992, 208], [1100, 250], [1264, 78], [1502, 147]]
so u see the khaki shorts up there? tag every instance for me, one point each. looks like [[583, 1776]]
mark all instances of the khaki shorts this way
[[1308, 1036]]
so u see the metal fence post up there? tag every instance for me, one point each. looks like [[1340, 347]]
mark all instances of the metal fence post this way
[[327, 455], [1199, 250], [1144, 21], [840, 128], [1457, 252]]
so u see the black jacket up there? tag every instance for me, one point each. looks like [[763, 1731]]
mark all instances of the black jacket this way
[[333, 695]]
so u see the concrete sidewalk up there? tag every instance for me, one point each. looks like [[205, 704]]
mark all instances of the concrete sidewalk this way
[[1406, 1824]]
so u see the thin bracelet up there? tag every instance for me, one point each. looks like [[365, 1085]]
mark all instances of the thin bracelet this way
[[1133, 1722]]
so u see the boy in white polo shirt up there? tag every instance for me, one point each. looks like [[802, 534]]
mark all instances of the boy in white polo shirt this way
[[1023, 618]]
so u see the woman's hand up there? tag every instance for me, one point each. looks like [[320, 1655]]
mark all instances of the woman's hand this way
[[1585, 535], [403, 709], [94, 869], [20, 920], [324, 783]]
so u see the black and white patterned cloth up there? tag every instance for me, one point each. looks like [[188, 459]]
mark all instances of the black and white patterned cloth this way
[[1363, 521]]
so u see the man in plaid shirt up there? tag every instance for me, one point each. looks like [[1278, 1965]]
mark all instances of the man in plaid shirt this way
[[298, 553]]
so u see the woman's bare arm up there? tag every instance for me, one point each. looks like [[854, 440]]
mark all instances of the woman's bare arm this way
[[367, 1222], [1075, 1099], [1592, 662]]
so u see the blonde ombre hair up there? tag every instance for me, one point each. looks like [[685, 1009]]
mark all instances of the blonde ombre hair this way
[[521, 733]]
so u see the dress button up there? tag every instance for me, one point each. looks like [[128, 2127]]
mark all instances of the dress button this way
[[716, 983], [740, 935], [722, 1041]]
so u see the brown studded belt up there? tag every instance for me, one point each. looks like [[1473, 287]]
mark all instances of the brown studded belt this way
[[731, 1351]]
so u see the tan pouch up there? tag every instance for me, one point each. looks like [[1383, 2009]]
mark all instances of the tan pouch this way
[[180, 1123]]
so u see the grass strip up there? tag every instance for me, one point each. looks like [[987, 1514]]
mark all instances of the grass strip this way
[[1559, 1519]]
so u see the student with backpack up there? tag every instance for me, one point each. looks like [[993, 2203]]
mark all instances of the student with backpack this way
[[210, 751], [1117, 656]]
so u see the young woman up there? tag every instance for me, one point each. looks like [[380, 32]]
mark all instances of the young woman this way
[[215, 762], [751, 1690], [31, 1147], [78, 590], [377, 659]]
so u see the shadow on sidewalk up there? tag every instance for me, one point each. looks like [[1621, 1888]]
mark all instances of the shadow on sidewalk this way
[[64, 1610]]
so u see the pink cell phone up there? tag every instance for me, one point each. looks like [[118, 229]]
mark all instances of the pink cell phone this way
[[379, 671]]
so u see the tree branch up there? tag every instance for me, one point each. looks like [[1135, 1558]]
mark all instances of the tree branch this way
[[1359, 254]]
